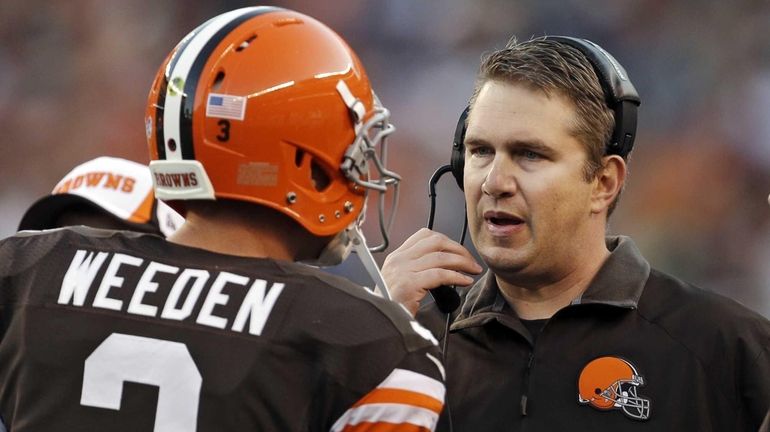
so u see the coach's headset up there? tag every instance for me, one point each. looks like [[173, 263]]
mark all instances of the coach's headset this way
[[620, 95]]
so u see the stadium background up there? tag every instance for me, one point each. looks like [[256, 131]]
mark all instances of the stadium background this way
[[74, 77]]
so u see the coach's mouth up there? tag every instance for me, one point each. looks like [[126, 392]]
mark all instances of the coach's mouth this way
[[502, 223], [502, 218]]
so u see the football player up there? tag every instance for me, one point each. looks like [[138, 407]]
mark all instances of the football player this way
[[263, 126]]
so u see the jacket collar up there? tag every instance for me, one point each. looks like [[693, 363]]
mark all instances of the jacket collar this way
[[619, 283]]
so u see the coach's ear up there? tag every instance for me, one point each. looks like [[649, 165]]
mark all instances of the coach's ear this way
[[608, 183]]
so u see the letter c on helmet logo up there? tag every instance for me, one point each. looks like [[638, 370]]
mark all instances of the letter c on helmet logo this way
[[610, 383]]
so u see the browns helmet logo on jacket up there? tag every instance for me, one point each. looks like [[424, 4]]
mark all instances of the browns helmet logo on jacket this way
[[610, 383]]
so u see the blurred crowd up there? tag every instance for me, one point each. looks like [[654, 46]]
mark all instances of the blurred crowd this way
[[74, 78]]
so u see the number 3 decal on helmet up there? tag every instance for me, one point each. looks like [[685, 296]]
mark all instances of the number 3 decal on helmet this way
[[608, 383]]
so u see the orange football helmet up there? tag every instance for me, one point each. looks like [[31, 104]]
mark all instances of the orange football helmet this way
[[610, 383], [270, 106]]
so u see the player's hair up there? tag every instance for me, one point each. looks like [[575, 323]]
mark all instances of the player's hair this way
[[557, 68]]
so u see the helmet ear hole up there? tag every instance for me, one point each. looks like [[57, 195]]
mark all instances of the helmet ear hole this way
[[218, 80], [320, 178], [298, 156], [245, 44]]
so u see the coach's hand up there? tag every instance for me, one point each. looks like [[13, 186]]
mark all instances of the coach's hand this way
[[426, 260]]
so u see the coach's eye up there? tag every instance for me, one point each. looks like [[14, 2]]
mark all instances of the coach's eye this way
[[481, 151], [529, 154]]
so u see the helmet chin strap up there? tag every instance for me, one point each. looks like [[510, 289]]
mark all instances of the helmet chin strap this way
[[351, 238], [335, 251], [362, 250]]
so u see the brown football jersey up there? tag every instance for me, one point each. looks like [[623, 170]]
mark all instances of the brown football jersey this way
[[120, 331]]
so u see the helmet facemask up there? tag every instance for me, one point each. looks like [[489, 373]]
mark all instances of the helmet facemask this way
[[363, 165], [625, 397], [361, 160]]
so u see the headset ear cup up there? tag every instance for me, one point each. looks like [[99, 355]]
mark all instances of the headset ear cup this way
[[457, 161], [620, 94], [625, 129]]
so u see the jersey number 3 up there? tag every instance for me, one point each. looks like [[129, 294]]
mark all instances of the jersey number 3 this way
[[162, 363]]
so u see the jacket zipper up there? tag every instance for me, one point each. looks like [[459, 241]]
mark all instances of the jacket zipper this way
[[524, 397]]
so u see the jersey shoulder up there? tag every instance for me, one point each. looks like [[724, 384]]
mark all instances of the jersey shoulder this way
[[25, 249], [354, 311]]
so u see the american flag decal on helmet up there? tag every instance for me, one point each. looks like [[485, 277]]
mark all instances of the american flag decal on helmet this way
[[226, 106]]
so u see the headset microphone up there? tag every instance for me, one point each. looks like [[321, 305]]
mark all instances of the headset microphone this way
[[447, 299]]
